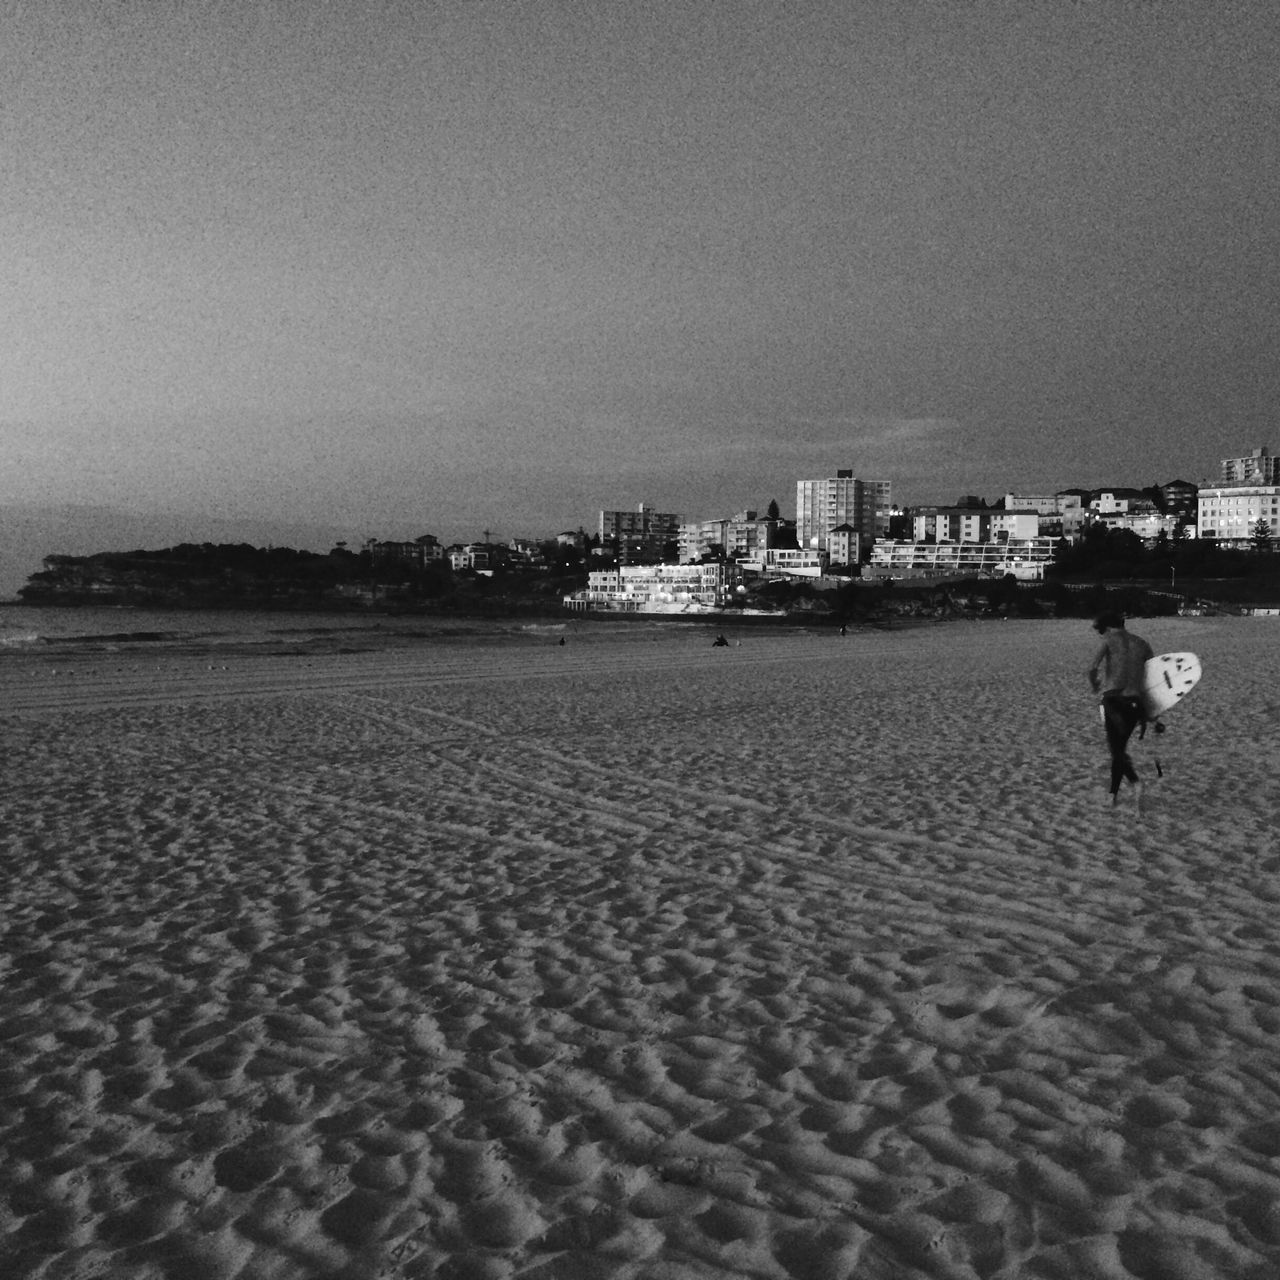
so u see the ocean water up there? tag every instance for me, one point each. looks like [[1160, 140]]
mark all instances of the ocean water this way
[[123, 628], [113, 627]]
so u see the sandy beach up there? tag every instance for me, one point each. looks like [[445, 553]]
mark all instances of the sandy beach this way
[[635, 959]]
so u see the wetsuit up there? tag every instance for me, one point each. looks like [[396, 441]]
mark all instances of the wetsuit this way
[[1116, 674]]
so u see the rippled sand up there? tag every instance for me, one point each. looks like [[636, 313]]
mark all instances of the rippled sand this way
[[809, 957]]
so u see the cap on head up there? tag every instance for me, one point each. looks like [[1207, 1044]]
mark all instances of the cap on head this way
[[1108, 622]]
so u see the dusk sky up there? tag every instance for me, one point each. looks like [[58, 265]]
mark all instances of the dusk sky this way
[[395, 268]]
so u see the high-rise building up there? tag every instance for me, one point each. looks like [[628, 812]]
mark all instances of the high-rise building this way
[[821, 505], [1260, 467]]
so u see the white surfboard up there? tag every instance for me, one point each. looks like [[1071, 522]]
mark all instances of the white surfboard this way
[[1167, 679]]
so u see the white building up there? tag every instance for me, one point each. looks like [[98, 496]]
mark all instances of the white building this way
[[1025, 558], [822, 505], [787, 562], [475, 555], [658, 588], [1230, 514]]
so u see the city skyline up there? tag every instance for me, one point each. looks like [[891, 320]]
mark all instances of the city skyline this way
[[28, 534], [353, 270]]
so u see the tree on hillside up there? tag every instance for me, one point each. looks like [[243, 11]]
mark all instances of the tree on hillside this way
[[1125, 545], [1094, 542], [773, 512]]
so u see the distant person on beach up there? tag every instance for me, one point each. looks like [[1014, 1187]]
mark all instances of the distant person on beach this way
[[1116, 675], [719, 643]]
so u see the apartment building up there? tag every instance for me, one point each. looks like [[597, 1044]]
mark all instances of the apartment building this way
[[879, 496], [739, 536], [642, 534], [787, 562], [1231, 513], [657, 588], [1180, 499], [1258, 467], [822, 505], [844, 545], [973, 524], [1025, 558], [1060, 514]]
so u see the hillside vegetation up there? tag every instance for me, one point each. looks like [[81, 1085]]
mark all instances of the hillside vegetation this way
[[1107, 572]]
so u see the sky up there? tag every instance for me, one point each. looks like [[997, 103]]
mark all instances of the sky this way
[[397, 267]]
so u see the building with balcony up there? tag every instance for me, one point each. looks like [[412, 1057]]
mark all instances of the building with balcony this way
[[1060, 514], [1180, 499], [973, 524], [823, 505], [1024, 558], [844, 545], [639, 535], [658, 588], [787, 562], [1259, 467], [738, 536]]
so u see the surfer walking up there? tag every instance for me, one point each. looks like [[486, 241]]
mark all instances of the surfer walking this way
[[1116, 675]]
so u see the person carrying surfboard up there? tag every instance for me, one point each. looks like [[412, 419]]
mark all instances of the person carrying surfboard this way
[[1116, 674]]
